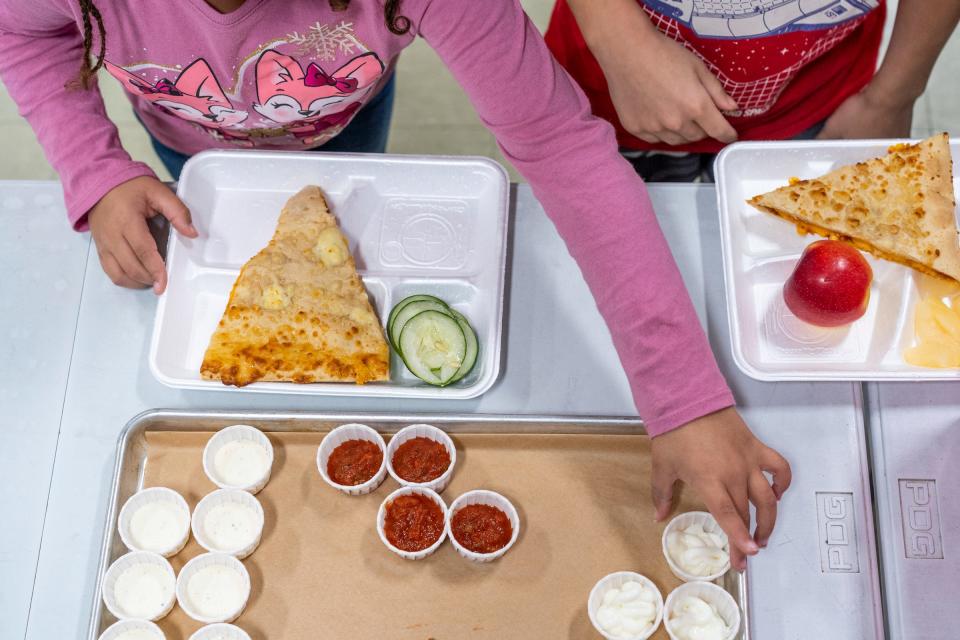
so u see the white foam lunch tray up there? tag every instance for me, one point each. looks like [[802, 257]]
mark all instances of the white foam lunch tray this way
[[433, 225], [760, 251]]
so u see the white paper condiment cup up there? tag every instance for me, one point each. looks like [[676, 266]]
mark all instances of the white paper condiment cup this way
[[127, 561], [712, 594], [382, 516], [220, 630], [482, 496], [235, 433], [682, 521], [226, 496], [423, 431], [615, 581], [201, 562], [337, 437], [150, 496], [115, 630]]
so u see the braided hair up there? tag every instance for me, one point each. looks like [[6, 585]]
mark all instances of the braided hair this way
[[397, 24], [88, 71]]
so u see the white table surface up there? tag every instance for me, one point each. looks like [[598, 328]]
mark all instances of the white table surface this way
[[42, 261], [107, 382]]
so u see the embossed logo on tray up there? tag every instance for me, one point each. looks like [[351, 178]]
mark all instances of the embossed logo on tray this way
[[789, 335], [837, 532], [425, 233], [920, 513]]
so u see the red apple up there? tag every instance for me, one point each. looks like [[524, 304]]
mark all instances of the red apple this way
[[830, 286]]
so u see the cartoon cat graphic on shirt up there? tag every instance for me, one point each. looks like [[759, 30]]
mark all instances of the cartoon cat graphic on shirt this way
[[310, 103], [196, 96]]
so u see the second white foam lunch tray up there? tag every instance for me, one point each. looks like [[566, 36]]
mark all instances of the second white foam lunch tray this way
[[760, 252], [415, 225]]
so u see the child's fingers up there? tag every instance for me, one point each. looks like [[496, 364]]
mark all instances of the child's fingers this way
[[776, 465], [763, 498], [172, 208], [727, 514], [116, 273], [144, 247], [715, 88], [692, 132], [130, 263], [717, 127]]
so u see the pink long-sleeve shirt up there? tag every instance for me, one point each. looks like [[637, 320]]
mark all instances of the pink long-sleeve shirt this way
[[290, 74]]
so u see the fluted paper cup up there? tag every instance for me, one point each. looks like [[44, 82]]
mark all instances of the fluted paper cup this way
[[713, 595], [482, 496], [190, 571], [615, 581], [242, 500], [236, 433], [382, 516], [423, 431], [117, 629], [161, 594], [220, 630], [179, 531], [682, 521], [342, 434]]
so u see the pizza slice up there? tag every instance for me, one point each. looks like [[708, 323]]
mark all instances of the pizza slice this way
[[298, 311], [899, 207]]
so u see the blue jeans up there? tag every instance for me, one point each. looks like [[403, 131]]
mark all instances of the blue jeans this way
[[366, 133]]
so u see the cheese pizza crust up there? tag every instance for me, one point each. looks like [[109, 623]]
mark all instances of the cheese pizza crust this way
[[298, 311], [899, 207]]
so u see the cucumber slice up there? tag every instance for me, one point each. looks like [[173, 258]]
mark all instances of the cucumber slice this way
[[410, 310], [433, 346], [473, 347], [400, 305]]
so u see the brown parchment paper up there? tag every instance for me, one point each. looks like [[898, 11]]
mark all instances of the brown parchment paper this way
[[322, 572]]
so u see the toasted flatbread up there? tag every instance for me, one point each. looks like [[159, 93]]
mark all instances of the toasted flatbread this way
[[298, 311], [899, 207]]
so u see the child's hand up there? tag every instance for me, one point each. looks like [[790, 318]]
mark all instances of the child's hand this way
[[664, 93], [118, 223], [720, 459], [870, 114]]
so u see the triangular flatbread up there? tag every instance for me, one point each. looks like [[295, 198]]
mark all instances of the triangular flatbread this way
[[899, 207], [298, 311]]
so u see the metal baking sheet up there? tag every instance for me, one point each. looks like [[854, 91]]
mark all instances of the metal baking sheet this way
[[760, 251], [624, 518], [915, 459], [415, 224]]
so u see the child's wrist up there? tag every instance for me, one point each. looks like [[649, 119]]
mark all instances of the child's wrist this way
[[890, 92], [605, 24]]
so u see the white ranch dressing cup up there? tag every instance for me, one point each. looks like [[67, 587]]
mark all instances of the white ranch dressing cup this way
[[156, 520], [228, 521], [213, 587], [239, 457]]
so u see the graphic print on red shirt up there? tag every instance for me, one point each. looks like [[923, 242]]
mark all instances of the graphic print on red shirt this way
[[787, 63]]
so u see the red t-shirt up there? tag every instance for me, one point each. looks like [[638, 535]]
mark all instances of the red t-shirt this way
[[787, 63]]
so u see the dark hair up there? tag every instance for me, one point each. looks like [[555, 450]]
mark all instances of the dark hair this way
[[397, 24]]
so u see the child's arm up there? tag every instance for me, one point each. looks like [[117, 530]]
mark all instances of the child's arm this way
[[40, 53], [601, 208], [884, 109], [661, 91]]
